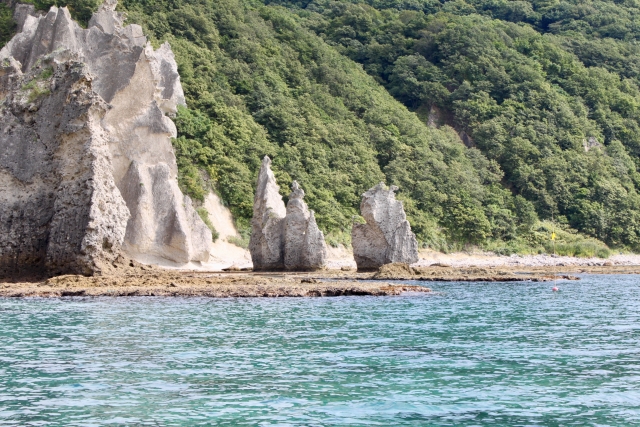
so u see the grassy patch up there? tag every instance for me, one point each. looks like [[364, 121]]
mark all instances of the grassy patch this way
[[38, 92], [581, 249], [241, 241], [204, 214], [36, 87], [538, 241], [336, 238], [45, 74]]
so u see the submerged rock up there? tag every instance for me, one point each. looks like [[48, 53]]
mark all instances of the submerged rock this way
[[304, 248], [386, 237], [87, 168], [267, 225]]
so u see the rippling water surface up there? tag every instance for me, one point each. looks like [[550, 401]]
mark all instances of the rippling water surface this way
[[499, 354]]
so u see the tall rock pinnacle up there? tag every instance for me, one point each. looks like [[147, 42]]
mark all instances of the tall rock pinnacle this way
[[283, 238], [304, 246], [386, 237], [267, 240]]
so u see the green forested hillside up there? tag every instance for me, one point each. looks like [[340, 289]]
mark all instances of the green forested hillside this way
[[343, 94], [258, 83], [530, 82]]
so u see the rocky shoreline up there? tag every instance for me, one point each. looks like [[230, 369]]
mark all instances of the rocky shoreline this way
[[90, 179], [489, 259], [226, 285], [140, 280]]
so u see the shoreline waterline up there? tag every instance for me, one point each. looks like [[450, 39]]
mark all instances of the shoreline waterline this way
[[329, 283]]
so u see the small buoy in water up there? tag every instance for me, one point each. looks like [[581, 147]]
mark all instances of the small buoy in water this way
[[555, 289]]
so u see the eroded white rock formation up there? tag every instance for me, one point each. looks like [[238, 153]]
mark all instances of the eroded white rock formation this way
[[304, 247], [283, 237], [60, 209], [386, 237], [266, 243], [86, 162]]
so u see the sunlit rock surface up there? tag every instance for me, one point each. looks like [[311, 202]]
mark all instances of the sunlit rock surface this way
[[304, 247], [87, 168], [267, 225], [284, 238], [386, 237]]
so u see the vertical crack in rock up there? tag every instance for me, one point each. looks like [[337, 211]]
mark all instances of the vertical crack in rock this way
[[284, 237], [86, 163], [386, 237]]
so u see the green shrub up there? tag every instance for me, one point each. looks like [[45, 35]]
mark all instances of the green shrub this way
[[204, 214], [81, 10], [241, 241], [338, 237], [7, 24]]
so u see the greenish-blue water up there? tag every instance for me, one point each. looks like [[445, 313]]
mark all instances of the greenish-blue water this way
[[496, 354]]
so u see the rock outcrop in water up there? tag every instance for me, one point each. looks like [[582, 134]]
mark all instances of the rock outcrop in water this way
[[304, 247], [87, 168], [386, 237], [283, 237]]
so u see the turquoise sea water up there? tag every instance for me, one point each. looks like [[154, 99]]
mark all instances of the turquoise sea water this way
[[474, 354]]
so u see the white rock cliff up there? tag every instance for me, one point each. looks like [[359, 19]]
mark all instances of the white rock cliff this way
[[87, 168], [386, 237]]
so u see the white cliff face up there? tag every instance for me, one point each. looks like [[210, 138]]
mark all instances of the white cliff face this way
[[61, 211], [96, 102], [386, 237]]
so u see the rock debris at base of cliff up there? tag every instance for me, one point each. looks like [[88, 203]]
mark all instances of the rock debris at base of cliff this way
[[167, 284]]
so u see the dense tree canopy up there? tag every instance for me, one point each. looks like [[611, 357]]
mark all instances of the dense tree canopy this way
[[533, 85], [260, 83]]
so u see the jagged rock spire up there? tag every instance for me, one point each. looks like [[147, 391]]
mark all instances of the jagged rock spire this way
[[283, 237], [267, 241], [386, 237], [305, 248]]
